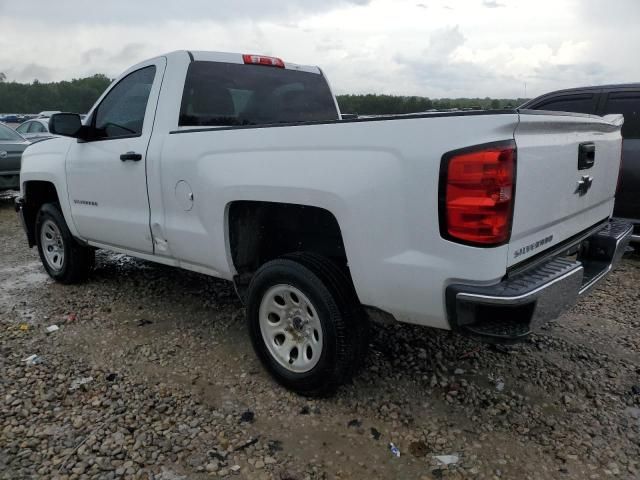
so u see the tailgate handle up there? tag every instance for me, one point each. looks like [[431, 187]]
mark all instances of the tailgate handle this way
[[586, 155]]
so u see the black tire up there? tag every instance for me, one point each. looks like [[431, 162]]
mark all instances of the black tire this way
[[344, 327], [77, 258]]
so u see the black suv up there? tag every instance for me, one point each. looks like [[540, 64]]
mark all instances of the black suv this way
[[604, 100]]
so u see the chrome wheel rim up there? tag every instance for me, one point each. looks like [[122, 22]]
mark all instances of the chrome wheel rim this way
[[291, 328], [52, 245]]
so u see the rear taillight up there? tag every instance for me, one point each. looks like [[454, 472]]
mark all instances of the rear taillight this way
[[262, 60], [477, 188]]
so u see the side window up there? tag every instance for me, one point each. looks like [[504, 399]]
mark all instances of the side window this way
[[583, 103], [36, 127], [627, 103], [24, 128], [121, 112]]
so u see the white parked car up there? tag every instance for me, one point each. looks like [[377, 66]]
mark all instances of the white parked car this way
[[47, 113], [240, 167], [34, 129]]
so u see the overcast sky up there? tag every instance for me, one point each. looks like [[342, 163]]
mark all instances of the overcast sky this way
[[436, 48]]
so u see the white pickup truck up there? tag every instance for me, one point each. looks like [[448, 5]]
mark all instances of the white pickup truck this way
[[241, 167]]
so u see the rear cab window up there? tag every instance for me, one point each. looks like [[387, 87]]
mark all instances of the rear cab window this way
[[628, 104], [218, 94]]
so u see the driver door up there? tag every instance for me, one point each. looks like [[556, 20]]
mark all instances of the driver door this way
[[106, 175]]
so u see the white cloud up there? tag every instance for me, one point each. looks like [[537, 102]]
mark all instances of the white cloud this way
[[492, 4], [383, 46], [150, 11]]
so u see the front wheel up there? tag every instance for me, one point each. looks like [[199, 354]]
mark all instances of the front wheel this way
[[305, 323], [64, 259]]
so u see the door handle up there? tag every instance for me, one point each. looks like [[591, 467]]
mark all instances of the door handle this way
[[133, 156]]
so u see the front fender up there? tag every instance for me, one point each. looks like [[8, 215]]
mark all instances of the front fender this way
[[45, 161]]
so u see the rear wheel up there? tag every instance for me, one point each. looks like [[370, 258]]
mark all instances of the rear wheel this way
[[306, 324], [64, 259]]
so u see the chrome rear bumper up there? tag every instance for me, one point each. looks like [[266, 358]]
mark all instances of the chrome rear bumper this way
[[511, 309], [635, 237]]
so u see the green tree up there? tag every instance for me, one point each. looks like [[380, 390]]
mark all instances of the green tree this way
[[370, 104], [77, 95]]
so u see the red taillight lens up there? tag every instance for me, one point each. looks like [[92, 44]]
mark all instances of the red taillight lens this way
[[262, 60], [477, 194]]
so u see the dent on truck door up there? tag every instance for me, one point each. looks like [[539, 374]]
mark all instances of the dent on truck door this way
[[107, 176]]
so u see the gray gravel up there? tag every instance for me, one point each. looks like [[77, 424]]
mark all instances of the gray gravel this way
[[151, 375]]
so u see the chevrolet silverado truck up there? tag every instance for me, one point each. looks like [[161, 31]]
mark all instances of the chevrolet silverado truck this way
[[241, 167]]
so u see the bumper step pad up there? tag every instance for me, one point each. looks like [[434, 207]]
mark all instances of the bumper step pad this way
[[498, 329]]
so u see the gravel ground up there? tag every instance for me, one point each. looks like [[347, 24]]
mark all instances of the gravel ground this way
[[151, 375]]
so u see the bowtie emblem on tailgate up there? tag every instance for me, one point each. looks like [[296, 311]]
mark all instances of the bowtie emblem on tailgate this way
[[584, 184], [3, 154]]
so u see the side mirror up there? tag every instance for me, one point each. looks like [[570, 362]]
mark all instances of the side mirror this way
[[65, 124]]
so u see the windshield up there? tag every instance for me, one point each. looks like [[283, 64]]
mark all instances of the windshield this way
[[8, 134], [221, 94]]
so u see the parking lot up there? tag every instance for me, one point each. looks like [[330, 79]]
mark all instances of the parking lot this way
[[151, 369]]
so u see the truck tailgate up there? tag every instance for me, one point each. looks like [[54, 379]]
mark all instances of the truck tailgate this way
[[557, 195]]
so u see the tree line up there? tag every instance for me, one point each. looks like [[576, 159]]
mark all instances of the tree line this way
[[372, 104], [79, 95]]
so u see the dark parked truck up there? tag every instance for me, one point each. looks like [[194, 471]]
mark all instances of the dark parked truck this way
[[604, 100], [241, 167]]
